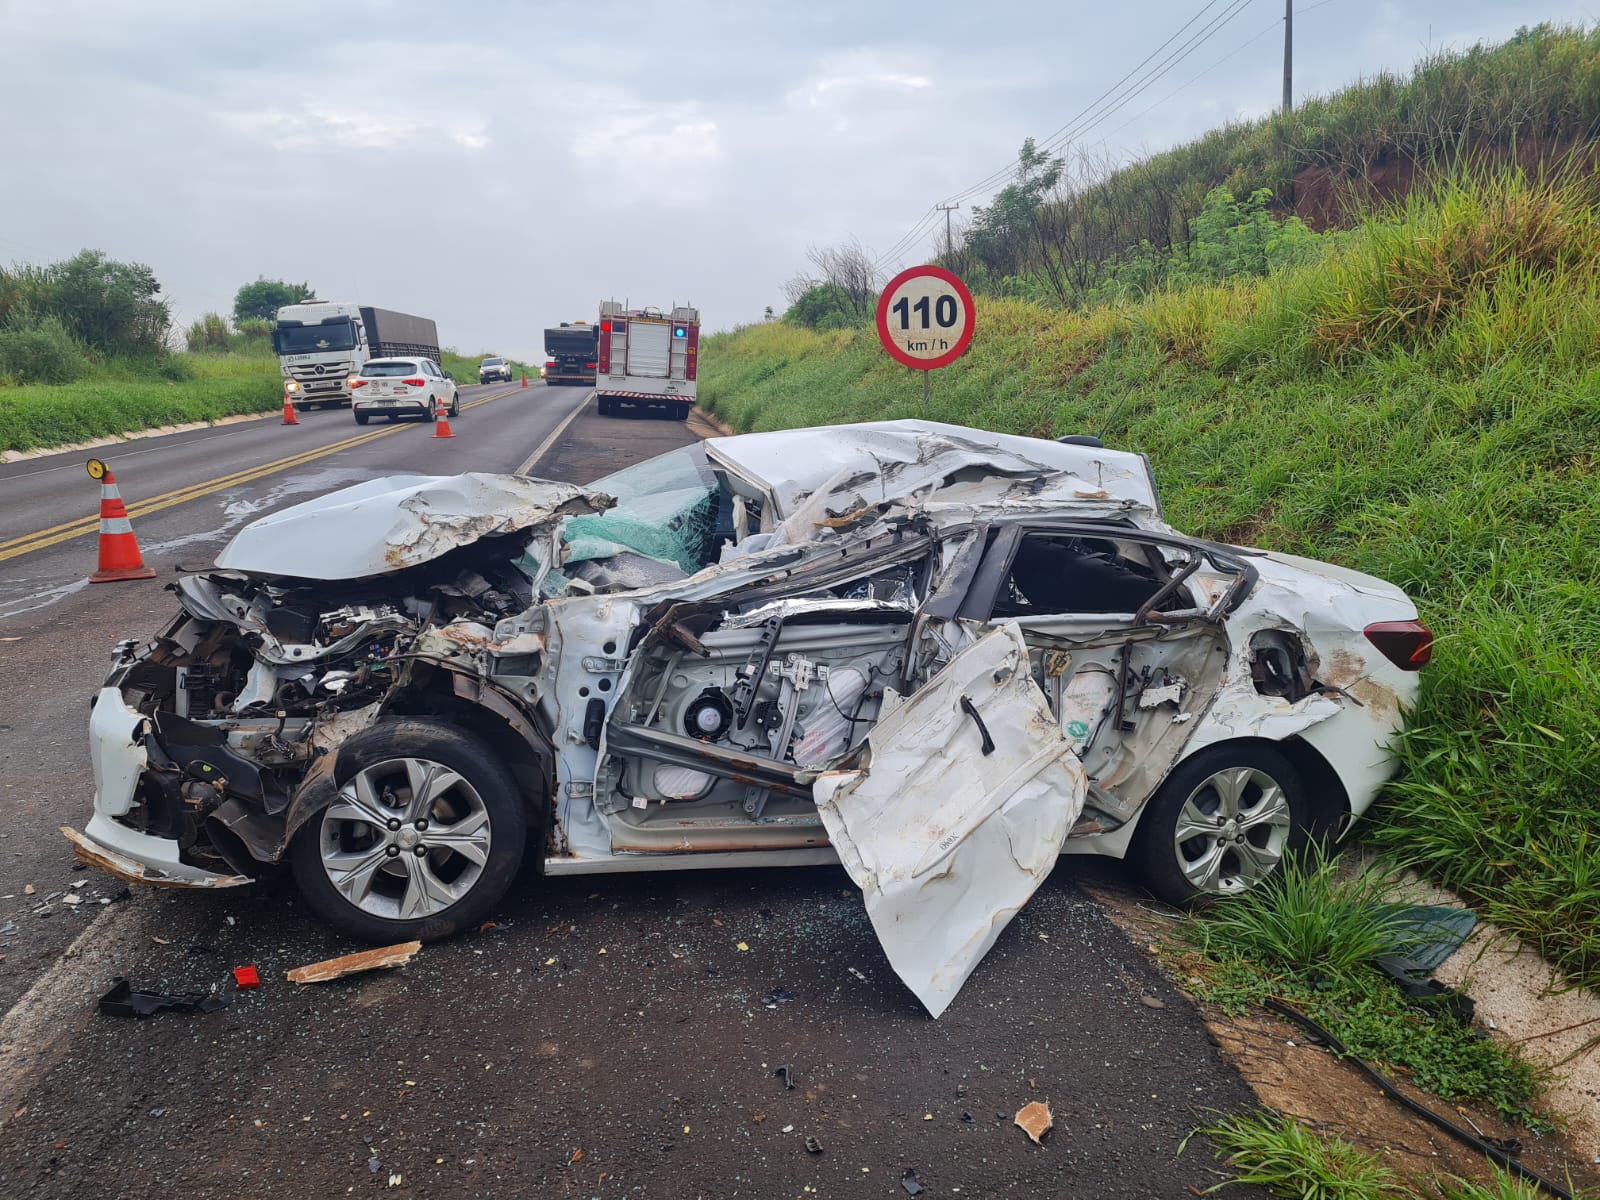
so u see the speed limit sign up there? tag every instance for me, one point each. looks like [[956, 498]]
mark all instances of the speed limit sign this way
[[925, 318]]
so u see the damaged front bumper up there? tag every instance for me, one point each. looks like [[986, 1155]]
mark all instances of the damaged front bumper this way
[[119, 758]]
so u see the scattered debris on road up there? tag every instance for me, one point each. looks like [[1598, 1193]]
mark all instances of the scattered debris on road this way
[[780, 996], [813, 1146], [1035, 1120], [910, 1182], [787, 1072], [351, 964], [247, 977], [123, 1001]]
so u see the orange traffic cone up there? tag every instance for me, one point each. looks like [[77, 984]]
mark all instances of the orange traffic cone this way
[[288, 411], [441, 423], [524, 379], [119, 551]]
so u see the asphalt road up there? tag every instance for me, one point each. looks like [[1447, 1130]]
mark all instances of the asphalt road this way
[[608, 1038]]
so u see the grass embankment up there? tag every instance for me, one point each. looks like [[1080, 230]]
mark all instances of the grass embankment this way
[[1422, 404], [126, 396], [1533, 98]]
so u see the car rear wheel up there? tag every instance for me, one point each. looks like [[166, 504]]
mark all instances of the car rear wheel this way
[[425, 836], [1222, 823], [361, 418]]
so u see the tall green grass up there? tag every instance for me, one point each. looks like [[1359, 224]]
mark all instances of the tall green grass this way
[[128, 395], [1423, 404], [1534, 98]]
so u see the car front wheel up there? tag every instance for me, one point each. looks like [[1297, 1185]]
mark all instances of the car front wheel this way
[[1222, 823], [426, 834]]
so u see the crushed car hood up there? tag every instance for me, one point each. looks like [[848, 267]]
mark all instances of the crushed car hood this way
[[913, 455], [389, 524]]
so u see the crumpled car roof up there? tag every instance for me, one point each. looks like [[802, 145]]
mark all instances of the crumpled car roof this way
[[400, 521], [916, 454]]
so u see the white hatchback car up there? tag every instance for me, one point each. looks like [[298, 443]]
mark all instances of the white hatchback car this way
[[941, 657], [402, 387]]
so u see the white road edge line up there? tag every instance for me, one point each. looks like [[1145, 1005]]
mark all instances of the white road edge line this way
[[544, 446], [36, 1029]]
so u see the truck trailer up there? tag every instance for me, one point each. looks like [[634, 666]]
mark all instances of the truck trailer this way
[[569, 353], [647, 359], [320, 344]]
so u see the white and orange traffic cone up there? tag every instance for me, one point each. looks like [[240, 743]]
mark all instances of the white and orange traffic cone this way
[[288, 411], [119, 550], [441, 423], [524, 379]]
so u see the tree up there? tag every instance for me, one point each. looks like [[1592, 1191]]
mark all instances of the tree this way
[[844, 292], [111, 306], [1000, 234], [262, 299]]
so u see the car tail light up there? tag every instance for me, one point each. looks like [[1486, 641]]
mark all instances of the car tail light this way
[[591, 366], [355, 383], [692, 364], [604, 348], [1407, 644], [415, 382]]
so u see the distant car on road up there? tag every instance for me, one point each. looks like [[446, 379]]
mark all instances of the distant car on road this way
[[492, 369], [402, 387]]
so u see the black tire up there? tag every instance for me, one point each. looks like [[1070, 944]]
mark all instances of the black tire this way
[[1267, 828], [488, 783], [455, 405], [682, 413], [361, 418]]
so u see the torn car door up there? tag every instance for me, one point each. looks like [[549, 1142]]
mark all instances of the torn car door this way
[[957, 815]]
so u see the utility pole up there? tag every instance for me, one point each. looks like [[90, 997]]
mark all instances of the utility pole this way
[[949, 246], [1288, 57]]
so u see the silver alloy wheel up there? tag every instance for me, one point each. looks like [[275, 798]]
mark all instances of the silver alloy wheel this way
[[1231, 830], [407, 838]]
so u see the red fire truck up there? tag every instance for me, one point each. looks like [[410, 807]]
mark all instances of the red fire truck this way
[[647, 359]]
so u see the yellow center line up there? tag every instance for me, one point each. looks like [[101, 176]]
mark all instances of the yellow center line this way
[[44, 538]]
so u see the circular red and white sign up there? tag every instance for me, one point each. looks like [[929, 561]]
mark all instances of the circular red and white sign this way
[[925, 318]]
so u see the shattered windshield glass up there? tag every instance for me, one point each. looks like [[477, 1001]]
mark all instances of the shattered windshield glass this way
[[667, 509]]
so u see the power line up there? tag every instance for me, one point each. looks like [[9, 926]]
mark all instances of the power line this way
[[1005, 171], [1242, 46], [1094, 114]]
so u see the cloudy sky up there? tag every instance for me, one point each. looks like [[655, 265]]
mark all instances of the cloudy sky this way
[[503, 165]]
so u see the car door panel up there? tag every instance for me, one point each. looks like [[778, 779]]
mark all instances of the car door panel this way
[[957, 814]]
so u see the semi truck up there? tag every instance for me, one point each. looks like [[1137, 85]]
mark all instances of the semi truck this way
[[321, 343], [569, 353], [647, 359]]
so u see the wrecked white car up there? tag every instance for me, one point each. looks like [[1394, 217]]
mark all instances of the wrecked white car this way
[[937, 655]]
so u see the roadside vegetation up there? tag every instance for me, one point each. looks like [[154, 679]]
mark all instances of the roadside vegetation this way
[[1309, 938], [1283, 1156]]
